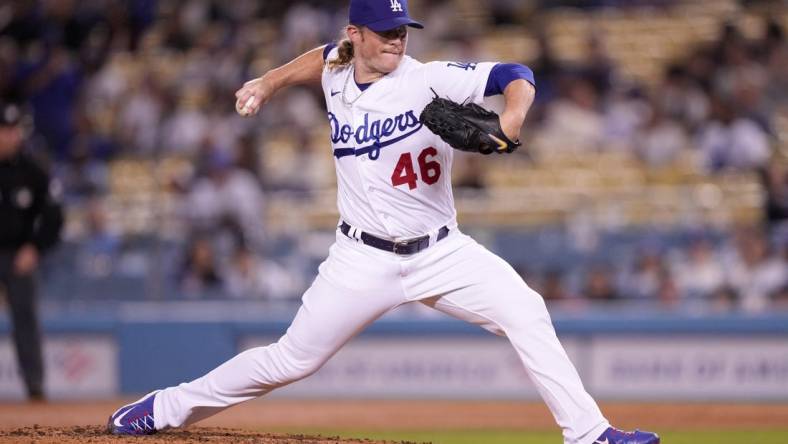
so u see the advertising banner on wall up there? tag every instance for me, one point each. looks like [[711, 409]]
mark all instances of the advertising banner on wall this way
[[690, 367], [687, 367], [76, 366], [418, 367]]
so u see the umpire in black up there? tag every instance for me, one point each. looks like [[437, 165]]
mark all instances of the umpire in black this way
[[30, 222]]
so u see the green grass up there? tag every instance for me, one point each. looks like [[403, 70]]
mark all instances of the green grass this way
[[520, 437]]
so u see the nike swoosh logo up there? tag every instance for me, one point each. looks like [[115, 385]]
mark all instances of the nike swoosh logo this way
[[502, 145], [333, 93], [601, 442], [117, 420]]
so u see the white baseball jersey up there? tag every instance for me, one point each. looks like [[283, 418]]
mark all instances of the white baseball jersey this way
[[394, 174]]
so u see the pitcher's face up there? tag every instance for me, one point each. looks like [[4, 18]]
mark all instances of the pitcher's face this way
[[379, 52]]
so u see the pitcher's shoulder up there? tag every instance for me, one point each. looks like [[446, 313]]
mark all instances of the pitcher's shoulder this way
[[336, 72], [409, 65], [436, 67]]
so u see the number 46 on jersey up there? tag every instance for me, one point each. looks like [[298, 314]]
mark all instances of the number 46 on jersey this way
[[405, 171]]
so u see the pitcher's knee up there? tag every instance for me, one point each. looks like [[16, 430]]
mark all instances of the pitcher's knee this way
[[301, 369], [282, 364]]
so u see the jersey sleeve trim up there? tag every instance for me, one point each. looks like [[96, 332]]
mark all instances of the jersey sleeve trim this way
[[504, 73], [327, 50]]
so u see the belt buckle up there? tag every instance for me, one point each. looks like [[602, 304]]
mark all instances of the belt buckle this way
[[417, 241], [401, 244]]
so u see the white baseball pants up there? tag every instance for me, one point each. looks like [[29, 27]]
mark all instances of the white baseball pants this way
[[356, 285]]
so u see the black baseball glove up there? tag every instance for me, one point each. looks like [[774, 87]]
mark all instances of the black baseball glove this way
[[467, 127]]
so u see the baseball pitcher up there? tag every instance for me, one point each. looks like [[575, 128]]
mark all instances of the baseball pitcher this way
[[395, 123]]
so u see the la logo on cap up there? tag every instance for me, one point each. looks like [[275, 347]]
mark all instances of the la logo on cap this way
[[381, 15]]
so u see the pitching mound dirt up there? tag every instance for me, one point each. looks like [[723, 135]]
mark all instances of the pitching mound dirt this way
[[98, 435]]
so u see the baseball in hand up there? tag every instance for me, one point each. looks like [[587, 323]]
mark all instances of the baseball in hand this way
[[246, 109]]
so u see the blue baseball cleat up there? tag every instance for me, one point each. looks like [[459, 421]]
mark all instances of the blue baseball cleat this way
[[615, 436], [135, 418]]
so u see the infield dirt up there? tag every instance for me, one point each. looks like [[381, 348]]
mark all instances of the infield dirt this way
[[201, 435], [83, 422]]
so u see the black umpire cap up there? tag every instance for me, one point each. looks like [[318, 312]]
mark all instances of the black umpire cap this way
[[10, 114]]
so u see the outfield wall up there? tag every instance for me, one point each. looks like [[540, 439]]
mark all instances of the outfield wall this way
[[654, 357]]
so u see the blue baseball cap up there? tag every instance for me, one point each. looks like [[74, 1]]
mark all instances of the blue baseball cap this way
[[381, 15]]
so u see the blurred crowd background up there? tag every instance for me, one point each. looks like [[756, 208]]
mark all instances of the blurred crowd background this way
[[654, 170]]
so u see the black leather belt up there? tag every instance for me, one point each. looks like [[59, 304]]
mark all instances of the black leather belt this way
[[406, 247]]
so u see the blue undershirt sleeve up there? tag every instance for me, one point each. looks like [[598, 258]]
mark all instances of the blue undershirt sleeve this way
[[328, 49], [503, 73]]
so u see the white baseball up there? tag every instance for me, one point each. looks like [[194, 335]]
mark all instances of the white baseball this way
[[246, 109]]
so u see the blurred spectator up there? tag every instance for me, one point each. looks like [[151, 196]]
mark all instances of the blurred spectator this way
[[302, 110], [52, 83], [526, 273], [776, 89], [573, 122], [668, 293], [681, 98], [625, 114], [93, 138], [253, 277], [773, 38], [739, 78], [294, 163], [9, 62], [301, 29], [226, 197], [553, 287], [504, 12], [99, 248], [729, 141], [644, 281], [729, 40], [249, 156], [660, 141], [140, 116], [546, 68], [600, 284], [226, 129], [775, 182], [84, 175], [723, 301], [754, 272], [199, 274], [700, 67], [780, 300], [780, 297], [187, 126], [699, 274], [597, 67]]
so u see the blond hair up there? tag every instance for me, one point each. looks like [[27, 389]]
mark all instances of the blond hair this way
[[344, 54]]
